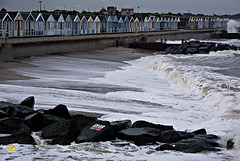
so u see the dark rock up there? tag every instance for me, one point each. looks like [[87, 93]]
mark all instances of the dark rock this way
[[139, 124], [191, 50], [82, 121], [35, 121], [96, 131], [29, 102], [230, 144], [14, 110], [8, 125], [165, 147], [67, 129], [49, 119], [3, 114], [214, 49], [210, 138], [147, 135], [193, 145], [60, 141], [172, 136], [59, 110], [207, 48], [144, 140], [19, 137], [200, 131], [121, 125], [194, 44], [168, 50], [203, 52]]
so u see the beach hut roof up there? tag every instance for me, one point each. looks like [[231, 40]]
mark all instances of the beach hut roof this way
[[90, 19], [68, 19], [7, 17], [149, 19], [76, 19], [84, 19], [115, 19], [145, 19], [120, 20], [51, 18], [109, 19], [132, 19], [61, 18], [30, 17], [18, 17], [97, 19], [136, 20], [126, 19], [102, 18], [40, 18]]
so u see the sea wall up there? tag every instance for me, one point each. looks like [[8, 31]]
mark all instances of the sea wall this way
[[12, 48]]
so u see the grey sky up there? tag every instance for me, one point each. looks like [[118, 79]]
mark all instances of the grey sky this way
[[175, 6]]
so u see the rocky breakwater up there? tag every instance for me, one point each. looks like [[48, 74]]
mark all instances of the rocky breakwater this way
[[61, 127], [197, 47]]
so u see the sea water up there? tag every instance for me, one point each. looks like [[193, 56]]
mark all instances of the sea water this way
[[186, 91]]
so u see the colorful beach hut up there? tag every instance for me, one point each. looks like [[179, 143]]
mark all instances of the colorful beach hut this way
[[120, 25], [68, 26], [109, 28], [29, 24], [115, 24], [90, 25], [18, 23], [50, 25], [154, 24], [136, 25], [83, 25], [7, 25], [103, 24], [132, 24], [97, 26], [126, 24], [76, 25]]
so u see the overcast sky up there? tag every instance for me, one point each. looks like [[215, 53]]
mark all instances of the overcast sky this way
[[174, 6]]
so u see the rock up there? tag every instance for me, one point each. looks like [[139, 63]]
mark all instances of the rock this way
[[193, 145], [172, 136], [144, 140], [200, 131], [8, 125], [140, 124], [230, 144], [29, 102], [82, 121], [60, 141], [210, 138], [35, 121], [121, 125], [49, 119], [191, 50], [206, 48], [59, 110], [14, 110], [2, 114], [140, 136], [194, 44], [96, 131], [19, 137], [203, 52], [168, 50], [165, 147], [67, 129]]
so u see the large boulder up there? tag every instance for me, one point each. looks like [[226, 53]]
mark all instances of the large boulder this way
[[141, 123], [60, 141], [165, 147], [96, 131], [14, 110], [82, 120], [230, 144], [172, 136], [35, 121], [59, 110], [49, 119], [200, 131], [193, 145], [9, 125], [140, 136], [121, 125], [191, 50], [67, 129], [209, 138], [29, 102], [3, 114], [19, 137]]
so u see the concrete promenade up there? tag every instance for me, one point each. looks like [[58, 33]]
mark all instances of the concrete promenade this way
[[29, 46]]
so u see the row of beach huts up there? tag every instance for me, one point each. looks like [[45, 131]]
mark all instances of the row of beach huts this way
[[19, 24]]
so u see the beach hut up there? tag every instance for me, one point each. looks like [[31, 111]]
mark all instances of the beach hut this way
[[136, 25], [90, 25], [39, 24], [60, 25], [126, 24], [7, 25], [145, 24], [120, 25], [50, 24], [109, 28], [154, 24], [84, 25], [172, 24], [103, 24], [141, 24], [166, 23], [206, 23], [18, 24], [97, 27], [29, 24], [76, 25], [150, 21], [191, 23], [177, 21], [68, 25], [162, 24], [132, 27], [158, 24], [200, 23], [115, 24]]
